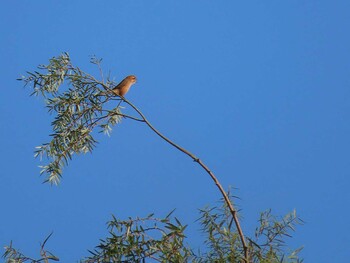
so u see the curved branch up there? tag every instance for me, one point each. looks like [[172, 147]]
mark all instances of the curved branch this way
[[211, 174], [216, 181]]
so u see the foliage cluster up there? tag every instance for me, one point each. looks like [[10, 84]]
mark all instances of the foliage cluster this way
[[152, 239], [78, 102]]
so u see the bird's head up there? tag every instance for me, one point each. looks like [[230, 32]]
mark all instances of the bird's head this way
[[131, 78]]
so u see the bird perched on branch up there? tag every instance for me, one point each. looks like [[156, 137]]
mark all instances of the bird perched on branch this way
[[123, 87]]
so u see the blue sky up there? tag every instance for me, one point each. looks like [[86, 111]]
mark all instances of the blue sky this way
[[258, 90]]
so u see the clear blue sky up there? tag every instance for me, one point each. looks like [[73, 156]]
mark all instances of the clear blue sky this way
[[258, 90]]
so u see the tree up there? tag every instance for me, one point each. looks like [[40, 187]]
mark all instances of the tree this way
[[82, 108]]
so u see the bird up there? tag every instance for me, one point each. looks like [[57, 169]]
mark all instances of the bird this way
[[123, 87]]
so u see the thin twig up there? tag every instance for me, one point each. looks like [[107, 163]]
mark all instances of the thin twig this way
[[224, 194]]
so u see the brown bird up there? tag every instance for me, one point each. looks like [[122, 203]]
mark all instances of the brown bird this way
[[123, 87]]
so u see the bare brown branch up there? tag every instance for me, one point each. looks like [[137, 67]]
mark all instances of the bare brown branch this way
[[211, 174]]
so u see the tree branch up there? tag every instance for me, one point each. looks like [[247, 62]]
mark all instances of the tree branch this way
[[211, 174]]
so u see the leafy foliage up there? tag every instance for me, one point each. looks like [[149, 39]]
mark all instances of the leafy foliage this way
[[12, 255], [268, 246], [79, 103], [152, 239], [135, 240], [270, 236]]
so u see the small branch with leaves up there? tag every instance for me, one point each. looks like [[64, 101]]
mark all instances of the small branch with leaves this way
[[12, 255]]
